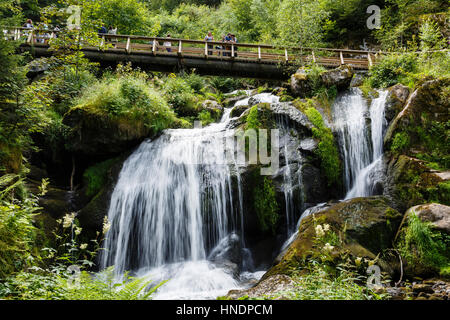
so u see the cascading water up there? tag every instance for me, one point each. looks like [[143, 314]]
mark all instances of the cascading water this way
[[174, 206], [360, 131]]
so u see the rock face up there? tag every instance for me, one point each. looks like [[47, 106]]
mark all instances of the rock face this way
[[395, 100], [368, 225], [437, 214], [339, 77], [213, 107], [301, 84], [429, 98], [410, 182], [416, 144], [99, 135]]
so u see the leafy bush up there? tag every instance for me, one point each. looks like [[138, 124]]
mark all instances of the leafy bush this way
[[400, 142], [391, 69], [423, 248], [128, 96], [180, 95], [16, 227]]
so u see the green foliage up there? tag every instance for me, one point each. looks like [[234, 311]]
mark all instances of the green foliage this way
[[326, 150], [266, 205], [59, 284], [392, 69], [422, 247], [96, 176], [128, 96], [16, 227], [252, 119], [180, 95], [128, 16], [400, 142]]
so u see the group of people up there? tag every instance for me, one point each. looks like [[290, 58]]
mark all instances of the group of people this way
[[224, 49], [110, 30], [41, 37]]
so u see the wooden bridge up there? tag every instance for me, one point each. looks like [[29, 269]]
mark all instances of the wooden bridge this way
[[207, 57]]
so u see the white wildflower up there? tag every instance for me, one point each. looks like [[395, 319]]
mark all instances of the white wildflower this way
[[326, 227], [83, 246], [68, 219], [328, 247], [319, 231], [78, 230], [106, 225], [358, 261]]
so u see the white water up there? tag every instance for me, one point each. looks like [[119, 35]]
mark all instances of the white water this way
[[362, 146], [172, 205]]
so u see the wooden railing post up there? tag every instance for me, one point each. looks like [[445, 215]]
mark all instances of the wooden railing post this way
[[259, 53], [206, 49], [30, 37], [128, 47], [232, 50], [370, 59], [154, 46], [313, 56], [102, 42], [179, 48], [342, 57], [286, 56]]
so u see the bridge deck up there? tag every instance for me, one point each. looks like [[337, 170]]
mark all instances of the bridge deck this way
[[216, 58]]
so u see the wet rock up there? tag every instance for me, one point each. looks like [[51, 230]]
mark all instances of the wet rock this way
[[437, 214], [300, 85], [272, 287], [357, 80], [395, 100], [370, 226], [422, 288], [228, 250], [339, 77]]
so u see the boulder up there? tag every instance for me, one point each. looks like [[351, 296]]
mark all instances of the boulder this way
[[367, 226], [300, 85], [340, 77], [96, 134], [357, 80], [273, 287], [411, 182], [213, 107], [429, 102], [395, 100], [437, 214]]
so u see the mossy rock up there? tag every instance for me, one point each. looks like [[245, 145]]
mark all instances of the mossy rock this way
[[340, 77], [411, 182], [395, 101], [94, 133], [366, 225]]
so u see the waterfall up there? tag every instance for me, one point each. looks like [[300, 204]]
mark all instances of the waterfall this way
[[173, 207], [360, 129]]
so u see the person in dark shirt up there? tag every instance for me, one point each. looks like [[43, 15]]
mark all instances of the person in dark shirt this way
[[102, 29]]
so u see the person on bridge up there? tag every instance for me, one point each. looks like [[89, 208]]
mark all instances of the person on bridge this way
[[28, 24], [112, 30], [102, 29], [208, 38], [168, 44]]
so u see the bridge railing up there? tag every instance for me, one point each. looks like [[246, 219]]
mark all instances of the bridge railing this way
[[184, 48]]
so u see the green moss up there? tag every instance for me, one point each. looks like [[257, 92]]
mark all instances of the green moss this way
[[96, 176], [400, 142], [266, 205], [252, 119], [327, 149]]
